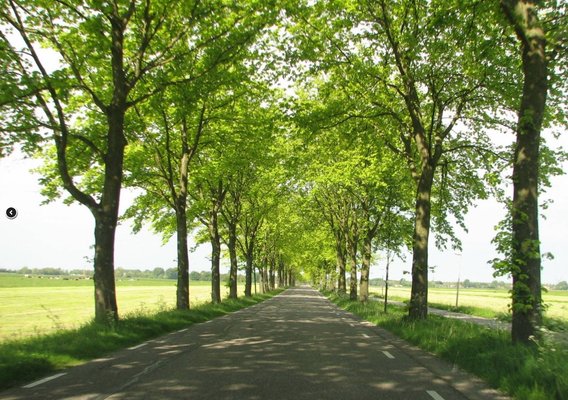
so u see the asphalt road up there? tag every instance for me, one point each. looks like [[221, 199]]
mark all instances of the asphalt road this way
[[295, 346]]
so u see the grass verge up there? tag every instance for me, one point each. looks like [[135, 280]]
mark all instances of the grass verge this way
[[27, 359], [539, 373], [550, 323]]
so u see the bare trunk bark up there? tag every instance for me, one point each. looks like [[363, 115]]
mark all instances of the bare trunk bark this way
[[340, 253], [248, 249], [272, 274], [106, 308], [365, 269], [248, 273], [262, 276], [352, 254], [182, 291], [215, 258], [281, 273], [387, 283], [233, 259], [265, 279], [418, 308]]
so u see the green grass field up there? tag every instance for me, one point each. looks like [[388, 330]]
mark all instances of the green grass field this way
[[484, 302], [33, 306]]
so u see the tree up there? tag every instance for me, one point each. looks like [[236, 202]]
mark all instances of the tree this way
[[172, 143], [231, 213], [231, 185], [280, 244], [158, 272], [250, 224], [352, 176], [396, 65], [107, 54], [523, 16], [252, 126], [208, 195], [437, 91], [178, 123]]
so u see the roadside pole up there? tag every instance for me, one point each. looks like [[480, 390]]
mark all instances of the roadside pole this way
[[387, 281], [458, 285]]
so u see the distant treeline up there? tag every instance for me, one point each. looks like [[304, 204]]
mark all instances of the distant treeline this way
[[467, 284], [49, 271], [439, 284], [171, 273], [121, 273]]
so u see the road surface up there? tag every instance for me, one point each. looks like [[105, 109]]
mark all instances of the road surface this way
[[296, 346]]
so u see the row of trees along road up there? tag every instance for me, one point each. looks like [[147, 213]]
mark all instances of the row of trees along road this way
[[388, 134]]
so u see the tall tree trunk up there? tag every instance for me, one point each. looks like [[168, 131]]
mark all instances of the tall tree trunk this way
[[182, 291], [340, 253], [249, 271], [272, 273], [366, 268], [106, 215], [248, 248], [215, 258], [418, 308], [265, 278], [233, 260], [352, 254], [527, 297], [106, 308], [262, 278], [280, 272], [180, 202], [385, 308]]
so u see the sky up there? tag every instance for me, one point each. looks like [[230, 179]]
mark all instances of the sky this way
[[61, 236]]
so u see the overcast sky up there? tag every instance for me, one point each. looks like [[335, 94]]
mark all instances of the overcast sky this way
[[56, 235]]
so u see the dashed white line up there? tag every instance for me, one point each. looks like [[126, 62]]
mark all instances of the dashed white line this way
[[44, 380], [434, 395], [137, 347], [389, 355]]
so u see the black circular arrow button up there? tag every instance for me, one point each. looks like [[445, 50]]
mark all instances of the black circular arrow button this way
[[11, 213]]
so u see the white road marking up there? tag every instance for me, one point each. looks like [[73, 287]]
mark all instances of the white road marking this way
[[44, 380], [389, 355], [434, 395], [137, 347], [183, 330]]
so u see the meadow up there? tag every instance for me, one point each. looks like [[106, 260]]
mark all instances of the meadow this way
[[488, 303], [34, 306]]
